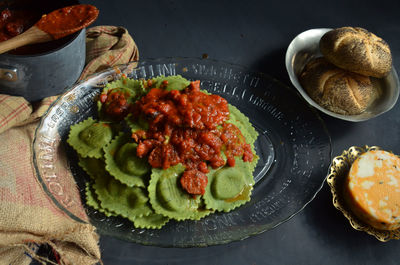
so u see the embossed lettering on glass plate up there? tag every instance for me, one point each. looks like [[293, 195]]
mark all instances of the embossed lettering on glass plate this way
[[52, 163], [56, 177], [147, 71]]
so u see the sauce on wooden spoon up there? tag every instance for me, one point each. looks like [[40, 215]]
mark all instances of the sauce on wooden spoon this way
[[67, 20], [55, 25]]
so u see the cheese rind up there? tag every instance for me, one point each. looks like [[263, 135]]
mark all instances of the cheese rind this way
[[372, 189]]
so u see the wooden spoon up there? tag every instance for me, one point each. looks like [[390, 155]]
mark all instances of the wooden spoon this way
[[55, 25]]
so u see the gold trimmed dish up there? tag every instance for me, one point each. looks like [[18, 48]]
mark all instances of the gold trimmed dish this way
[[338, 172]]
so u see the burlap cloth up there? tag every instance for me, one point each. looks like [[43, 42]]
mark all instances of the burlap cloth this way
[[28, 217]]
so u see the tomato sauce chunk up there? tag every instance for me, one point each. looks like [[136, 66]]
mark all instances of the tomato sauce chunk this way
[[194, 182], [115, 103]]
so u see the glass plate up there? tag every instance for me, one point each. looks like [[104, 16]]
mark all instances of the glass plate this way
[[293, 145]]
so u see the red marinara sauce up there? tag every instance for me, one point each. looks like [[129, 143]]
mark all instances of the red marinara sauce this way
[[188, 127], [67, 20], [14, 22], [115, 104]]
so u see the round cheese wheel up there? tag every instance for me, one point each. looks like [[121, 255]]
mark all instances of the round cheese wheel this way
[[372, 189]]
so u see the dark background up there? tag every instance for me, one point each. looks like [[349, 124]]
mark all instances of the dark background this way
[[256, 34]]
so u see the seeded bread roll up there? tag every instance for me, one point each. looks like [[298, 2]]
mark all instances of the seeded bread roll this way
[[335, 89], [357, 50]]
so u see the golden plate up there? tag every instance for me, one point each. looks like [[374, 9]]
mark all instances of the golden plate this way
[[337, 174]]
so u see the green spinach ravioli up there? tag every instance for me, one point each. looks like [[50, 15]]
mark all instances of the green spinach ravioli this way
[[153, 155]]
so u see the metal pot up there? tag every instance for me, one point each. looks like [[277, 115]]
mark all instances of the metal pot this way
[[40, 75]]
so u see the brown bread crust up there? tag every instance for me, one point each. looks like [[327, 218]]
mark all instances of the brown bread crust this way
[[357, 50], [335, 89]]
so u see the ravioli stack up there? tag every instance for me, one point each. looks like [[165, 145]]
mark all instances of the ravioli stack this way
[[122, 184]]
